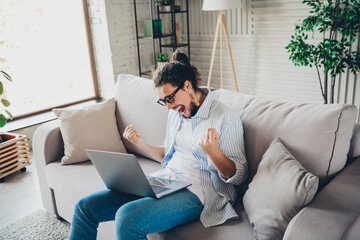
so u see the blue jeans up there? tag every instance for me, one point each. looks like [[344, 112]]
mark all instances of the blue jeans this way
[[134, 216]]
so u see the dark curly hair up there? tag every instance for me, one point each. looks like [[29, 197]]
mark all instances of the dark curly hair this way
[[177, 71]]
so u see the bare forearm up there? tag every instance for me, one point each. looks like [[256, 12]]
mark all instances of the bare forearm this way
[[225, 166], [156, 153], [132, 135]]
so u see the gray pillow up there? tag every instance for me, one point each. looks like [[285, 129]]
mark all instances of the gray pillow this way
[[92, 127], [278, 191]]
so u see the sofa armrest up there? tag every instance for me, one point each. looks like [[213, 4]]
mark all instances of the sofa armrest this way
[[48, 147], [334, 212]]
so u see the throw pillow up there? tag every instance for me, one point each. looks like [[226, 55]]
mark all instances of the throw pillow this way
[[278, 191], [92, 127]]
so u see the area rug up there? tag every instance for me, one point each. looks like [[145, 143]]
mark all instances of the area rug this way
[[38, 225]]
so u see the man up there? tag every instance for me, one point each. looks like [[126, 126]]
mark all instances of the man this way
[[204, 146]]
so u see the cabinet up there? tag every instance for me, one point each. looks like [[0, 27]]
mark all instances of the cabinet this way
[[165, 41]]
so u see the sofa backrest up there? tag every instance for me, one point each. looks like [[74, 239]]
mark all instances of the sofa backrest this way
[[136, 104], [318, 135], [354, 151]]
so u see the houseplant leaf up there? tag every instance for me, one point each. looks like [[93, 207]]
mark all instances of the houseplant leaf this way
[[2, 120], [5, 102], [1, 88], [7, 76], [9, 114], [338, 22]]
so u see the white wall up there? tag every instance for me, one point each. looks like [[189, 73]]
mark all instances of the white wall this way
[[113, 36], [259, 32], [261, 61]]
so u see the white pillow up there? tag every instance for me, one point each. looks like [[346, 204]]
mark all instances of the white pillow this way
[[92, 127], [278, 191]]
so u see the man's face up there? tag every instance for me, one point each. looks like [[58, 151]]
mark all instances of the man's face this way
[[181, 100]]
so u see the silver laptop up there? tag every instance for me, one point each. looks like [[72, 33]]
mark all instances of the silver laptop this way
[[122, 172]]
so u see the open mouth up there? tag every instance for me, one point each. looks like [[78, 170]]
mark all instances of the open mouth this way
[[180, 109]]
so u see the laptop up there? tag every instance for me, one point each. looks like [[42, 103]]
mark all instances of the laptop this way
[[122, 172]]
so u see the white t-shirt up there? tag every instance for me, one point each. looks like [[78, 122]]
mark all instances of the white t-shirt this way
[[183, 165]]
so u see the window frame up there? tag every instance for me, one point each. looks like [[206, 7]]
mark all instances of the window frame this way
[[93, 72]]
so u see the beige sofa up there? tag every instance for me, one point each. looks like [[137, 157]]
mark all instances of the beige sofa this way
[[323, 138]]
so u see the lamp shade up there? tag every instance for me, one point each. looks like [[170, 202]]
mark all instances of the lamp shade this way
[[212, 5]]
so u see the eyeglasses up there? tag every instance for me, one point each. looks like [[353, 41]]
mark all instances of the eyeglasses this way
[[169, 98]]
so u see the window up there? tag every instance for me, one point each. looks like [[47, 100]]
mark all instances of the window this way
[[44, 46]]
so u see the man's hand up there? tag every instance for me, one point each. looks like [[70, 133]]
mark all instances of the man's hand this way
[[209, 142], [132, 135]]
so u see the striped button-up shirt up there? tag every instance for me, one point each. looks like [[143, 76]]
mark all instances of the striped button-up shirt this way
[[220, 193]]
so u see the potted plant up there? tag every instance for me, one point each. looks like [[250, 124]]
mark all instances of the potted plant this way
[[339, 23], [164, 5], [4, 102], [162, 59]]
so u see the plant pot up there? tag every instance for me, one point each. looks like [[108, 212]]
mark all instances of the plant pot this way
[[166, 8], [358, 72], [14, 154], [161, 64]]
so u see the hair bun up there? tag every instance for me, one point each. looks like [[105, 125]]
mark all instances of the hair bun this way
[[180, 57]]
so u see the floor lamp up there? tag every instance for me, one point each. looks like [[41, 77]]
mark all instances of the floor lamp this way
[[213, 5]]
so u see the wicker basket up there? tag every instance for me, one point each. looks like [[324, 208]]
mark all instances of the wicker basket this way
[[14, 154]]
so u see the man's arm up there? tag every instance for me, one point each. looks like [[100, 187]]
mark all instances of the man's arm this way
[[231, 143], [132, 135], [209, 143]]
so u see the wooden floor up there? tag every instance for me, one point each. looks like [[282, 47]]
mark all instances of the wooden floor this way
[[19, 195]]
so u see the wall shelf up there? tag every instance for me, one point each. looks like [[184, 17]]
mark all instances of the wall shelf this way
[[158, 42], [162, 36]]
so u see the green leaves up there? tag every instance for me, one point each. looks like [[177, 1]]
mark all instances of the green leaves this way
[[7, 76], [339, 23], [162, 57], [3, 120], [9, 114], [5, 102]]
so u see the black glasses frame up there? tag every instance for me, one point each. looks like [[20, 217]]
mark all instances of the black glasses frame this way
[[169, 98]]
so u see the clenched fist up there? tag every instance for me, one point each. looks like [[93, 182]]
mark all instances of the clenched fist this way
[[209, 142], [132, 135]]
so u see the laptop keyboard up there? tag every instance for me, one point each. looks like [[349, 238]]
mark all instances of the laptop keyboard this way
[[158, 189]]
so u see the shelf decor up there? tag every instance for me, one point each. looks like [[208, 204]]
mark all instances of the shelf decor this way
[[162, 59], [178, 31], [148, 28], [164, 5]]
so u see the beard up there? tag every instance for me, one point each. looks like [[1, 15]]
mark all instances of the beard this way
[[193, 110]]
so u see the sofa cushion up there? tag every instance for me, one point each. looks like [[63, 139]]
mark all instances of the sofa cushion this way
[[136, 98], [279, 190], [91, 127], [78, 180], [318, 135], [335, 211]]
